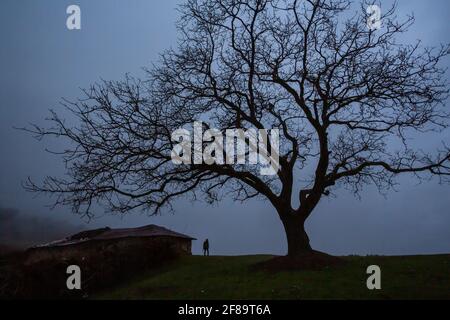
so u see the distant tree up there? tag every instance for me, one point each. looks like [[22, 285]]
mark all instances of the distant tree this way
[[346, 99]]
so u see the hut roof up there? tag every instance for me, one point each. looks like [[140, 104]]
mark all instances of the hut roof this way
[[110, 234]]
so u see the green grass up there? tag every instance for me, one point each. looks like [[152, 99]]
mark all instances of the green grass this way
[[408, 277]]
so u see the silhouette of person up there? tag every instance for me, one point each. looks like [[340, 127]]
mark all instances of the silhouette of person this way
[[206, 247]]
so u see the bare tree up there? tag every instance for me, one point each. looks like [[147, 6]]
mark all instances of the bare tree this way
[[346, 99]]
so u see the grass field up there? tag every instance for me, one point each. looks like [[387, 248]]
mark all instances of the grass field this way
[[408, 277]]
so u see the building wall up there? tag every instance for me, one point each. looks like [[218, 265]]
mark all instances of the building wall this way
[[144, 249]]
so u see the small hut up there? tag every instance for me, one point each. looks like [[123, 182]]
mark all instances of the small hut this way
[[146, 242]]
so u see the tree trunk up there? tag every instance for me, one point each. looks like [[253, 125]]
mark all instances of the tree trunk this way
[[297, 238]]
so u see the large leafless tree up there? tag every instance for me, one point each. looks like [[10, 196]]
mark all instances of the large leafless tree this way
[[346, 99]]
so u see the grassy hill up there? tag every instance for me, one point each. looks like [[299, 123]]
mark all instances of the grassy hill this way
[[196, 277]]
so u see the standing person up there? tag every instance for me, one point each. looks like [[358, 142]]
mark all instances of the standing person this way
[[206, 247]]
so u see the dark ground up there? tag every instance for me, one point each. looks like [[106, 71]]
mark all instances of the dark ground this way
[[235, 277]]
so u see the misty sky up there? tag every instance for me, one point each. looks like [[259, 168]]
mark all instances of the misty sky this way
[[41, 61]]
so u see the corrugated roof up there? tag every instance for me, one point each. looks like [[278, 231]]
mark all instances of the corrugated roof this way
[[146, 231], [110, 234]]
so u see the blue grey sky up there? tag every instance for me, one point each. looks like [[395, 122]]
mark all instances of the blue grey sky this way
[[41, 61]]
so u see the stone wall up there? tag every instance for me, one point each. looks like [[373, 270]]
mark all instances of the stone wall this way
[[144, 249]]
